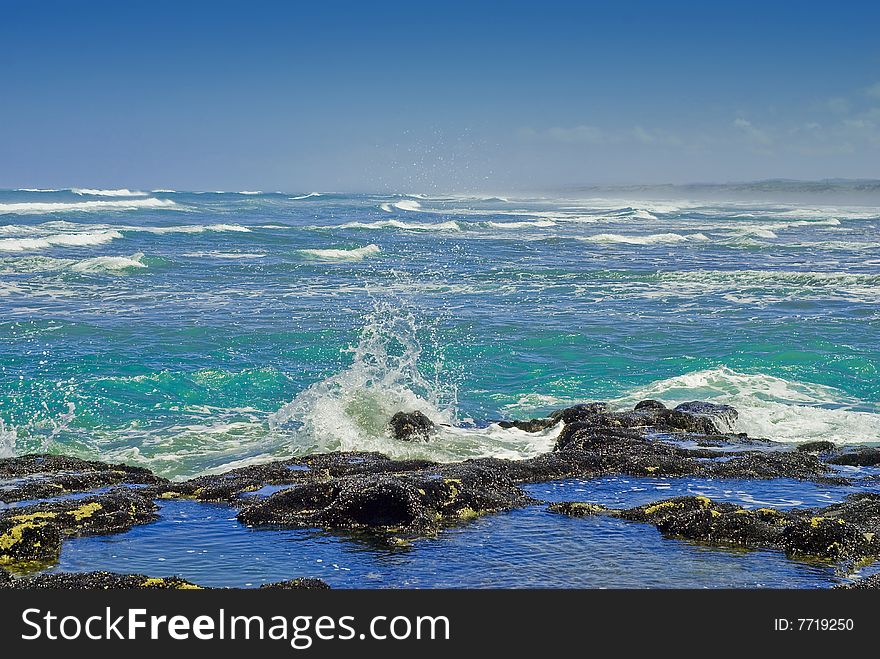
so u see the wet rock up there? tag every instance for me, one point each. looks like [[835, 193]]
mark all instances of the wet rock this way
[[303, 583], [97, 581], [820, 446], [862, 457], [576, 508], [34, 533], [28, 541], [532, 425], [868, 583], [231, 485], [411, 427], [703, 417], [585, 413], [847, 530], [43, 476], [649, 404], [418, 502]]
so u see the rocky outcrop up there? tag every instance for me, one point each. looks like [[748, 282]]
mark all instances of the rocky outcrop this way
[[33, 533], [411, 427], [303, 583], [849, 530], [408, 502], [114, 581], [44, 476], [369, 496]]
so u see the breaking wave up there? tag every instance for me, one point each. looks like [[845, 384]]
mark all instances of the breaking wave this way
[[59, 207], [355, 254], [122, 192], [771, 407], [77, 239]]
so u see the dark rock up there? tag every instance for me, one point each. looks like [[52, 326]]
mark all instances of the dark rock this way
[[532, 425], [417, 502], [585, 412], [649, 404], [820, 446], [576, 508], [411, 426], [868, 583], [847, 530], [97, 581], [862, 457], [302, 583], [703, 417], [43, 476], [33, 533]]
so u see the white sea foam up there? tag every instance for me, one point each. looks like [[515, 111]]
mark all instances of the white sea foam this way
[[522, 225], [37, 190], [189, 228], [350, 410], [771, 407], [109, 263], [164, 191], [650, 239], [250, 192], [450, 225], [8, 438], [407, 205], [306, 196], [224, 255], [122, 192], [355, 254], [59, 207], [77, 239]]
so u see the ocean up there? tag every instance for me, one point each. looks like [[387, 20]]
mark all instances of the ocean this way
[[192, 333], [195, 332]]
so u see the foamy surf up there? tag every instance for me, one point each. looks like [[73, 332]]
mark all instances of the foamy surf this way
[[354, 254], [771, 407], [650, 239], [121, 192], [76, 239], [110, 263], [349, 411], [306, 196], [450, 225], [84, 206]]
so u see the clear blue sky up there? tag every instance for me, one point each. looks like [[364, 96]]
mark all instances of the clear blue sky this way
[[492, 96]]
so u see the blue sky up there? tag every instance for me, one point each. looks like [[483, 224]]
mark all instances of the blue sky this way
[[490, 96]]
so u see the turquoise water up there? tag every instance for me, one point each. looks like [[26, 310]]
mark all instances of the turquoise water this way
[[195, 332]]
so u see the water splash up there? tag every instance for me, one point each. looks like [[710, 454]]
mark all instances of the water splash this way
[[351, 408], [8, 437], [397, 365]]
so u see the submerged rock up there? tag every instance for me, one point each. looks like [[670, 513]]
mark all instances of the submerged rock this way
[[411, 427]]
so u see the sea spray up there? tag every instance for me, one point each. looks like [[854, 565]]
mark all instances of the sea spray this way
[[350, 409], [8, 438]]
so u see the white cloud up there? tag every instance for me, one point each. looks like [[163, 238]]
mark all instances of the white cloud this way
[[754, 134]]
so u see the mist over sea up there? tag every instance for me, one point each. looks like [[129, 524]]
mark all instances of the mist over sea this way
[[195, 332]]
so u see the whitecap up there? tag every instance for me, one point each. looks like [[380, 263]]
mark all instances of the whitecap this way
[[356, 254], [122, 192], [450, 225], [109, 263], [58, 207], [306, 196], [78, 239]]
